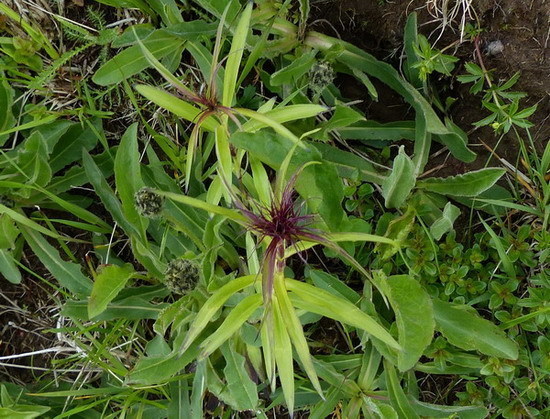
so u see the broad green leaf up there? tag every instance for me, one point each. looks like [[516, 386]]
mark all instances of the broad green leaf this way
[[69, 147], [445, 223], [415, 326], [8, 232], [372, 130], [333, 285], [285, 114], [469, 184], [439, 411], [399, 184], [233, 322], [350, 165], [463, 327], [31, 163], [128, 176], [131, 61], [239, 384], [176, 106], [212, 305], [157, 369], [192, 30], [68, 274], [319, 301], [238, 44], [297, 68], [131, 308], [108, 283], [23, 411], [456, 141], [8, 267]]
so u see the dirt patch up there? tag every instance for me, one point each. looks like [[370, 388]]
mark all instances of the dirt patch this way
[[522, 27]]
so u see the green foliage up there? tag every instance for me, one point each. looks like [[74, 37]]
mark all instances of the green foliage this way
[[213, 251]]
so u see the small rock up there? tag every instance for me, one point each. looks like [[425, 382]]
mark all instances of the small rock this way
[[494, 47]]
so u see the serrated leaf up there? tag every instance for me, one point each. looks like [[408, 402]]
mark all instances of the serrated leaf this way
[[239, 384], [468, 184], [463, 327]]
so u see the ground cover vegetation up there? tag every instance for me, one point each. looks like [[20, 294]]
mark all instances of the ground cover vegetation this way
[[205, 225]]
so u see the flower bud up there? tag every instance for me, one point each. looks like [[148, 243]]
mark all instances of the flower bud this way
[[148, 203], [181, 276]]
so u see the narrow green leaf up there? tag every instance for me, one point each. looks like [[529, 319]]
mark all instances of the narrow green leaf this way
[[506, 262], [176, 106], [213, 209], [212, 305], [233, 322], [398, 398], [296, 333], [69, 275], [282, 350], [7, 120], [108, 283], [422, 144], [238, 44], [131, 61], [285, 114], [322, 302], [106, 194]]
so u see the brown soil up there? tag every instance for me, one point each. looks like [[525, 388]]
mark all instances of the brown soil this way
[[523, 27]]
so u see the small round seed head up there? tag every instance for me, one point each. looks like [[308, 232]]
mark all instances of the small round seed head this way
[[148, 203], [6, 201], [320, 76], [181, 276]]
